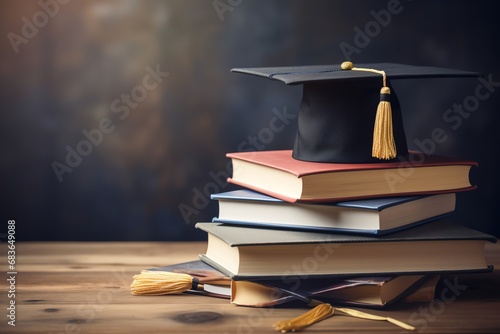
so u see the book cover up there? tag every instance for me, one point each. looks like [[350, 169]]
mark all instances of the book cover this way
[[199, 269], [216, 284]]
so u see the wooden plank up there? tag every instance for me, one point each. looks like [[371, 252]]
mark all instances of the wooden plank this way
[[177, 315], [89, 292], [61, 256]]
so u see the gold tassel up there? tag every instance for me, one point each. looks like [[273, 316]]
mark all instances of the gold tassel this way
[[154, 283], [323, 311], [320, 312], [383, 146]]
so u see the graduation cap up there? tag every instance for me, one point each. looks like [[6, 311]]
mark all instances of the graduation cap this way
[[350, 113]]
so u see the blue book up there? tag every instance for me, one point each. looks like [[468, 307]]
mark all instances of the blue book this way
[[370, 216]]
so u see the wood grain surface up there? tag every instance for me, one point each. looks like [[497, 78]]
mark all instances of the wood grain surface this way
[[79, 287]]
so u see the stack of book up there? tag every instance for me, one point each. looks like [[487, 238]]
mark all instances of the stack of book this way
[[350, 216], [361, 234]]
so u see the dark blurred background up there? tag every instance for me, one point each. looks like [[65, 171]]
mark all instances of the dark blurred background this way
[[149, 83]]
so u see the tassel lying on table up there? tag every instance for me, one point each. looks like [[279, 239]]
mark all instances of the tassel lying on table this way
[[323, 311], [154, 283]]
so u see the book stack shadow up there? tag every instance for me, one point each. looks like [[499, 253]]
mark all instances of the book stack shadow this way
[[371, 235]]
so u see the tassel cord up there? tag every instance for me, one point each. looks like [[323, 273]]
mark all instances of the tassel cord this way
[[383, 145], [324, 311]]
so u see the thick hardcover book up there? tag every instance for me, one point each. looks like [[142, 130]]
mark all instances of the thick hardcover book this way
[[257, 253], [372, 216], [277, 174]]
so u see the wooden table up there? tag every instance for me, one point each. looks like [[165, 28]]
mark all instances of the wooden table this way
[[85, 288]]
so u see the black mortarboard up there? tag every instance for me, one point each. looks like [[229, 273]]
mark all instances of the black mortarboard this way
[[339, 120]]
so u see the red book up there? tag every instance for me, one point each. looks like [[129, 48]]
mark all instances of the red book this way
[[277, 174]]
